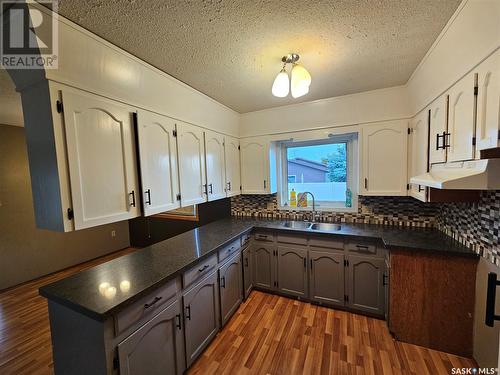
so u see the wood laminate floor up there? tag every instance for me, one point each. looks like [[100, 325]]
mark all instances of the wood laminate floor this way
[[267, 335], [270, 334]]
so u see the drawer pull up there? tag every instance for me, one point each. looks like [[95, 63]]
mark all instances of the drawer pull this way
[[148, 305], [203, 268], [262, 237], [362, 247]]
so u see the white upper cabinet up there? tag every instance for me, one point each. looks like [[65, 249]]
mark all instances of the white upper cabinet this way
[[438, 127], [101, 160], [419, 151], [216, 175], [461, 100], [256, 176], [158, 159], [384, 158], [191, 151], [232, 157], [488, 103]]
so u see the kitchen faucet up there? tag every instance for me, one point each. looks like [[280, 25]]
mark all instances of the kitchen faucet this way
[[313, 216]]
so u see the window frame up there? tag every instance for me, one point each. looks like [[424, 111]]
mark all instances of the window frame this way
[[352, 178]]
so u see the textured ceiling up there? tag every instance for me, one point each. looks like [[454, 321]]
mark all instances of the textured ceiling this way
[[231, 50]]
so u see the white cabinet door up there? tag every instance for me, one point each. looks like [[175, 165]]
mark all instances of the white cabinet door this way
[[216, 176], [255, 166], [101, 159], [437, 139], [419, 151], [385, 158], [232, 155], [158, 158], [488, 103], [191, 151], [461, 120]]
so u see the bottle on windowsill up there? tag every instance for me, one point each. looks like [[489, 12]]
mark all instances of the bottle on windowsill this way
[[348, 198], [293, 198]]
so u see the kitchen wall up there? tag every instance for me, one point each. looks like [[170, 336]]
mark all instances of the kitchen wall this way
[[399, 211], [25, 251]]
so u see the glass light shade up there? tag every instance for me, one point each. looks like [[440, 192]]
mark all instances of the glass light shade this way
[[281, 84], [301, 80]]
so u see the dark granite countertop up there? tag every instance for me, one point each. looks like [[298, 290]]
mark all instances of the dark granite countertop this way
[[146, 269]]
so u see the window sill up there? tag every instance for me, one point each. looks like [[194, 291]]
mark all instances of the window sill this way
[[352, 209]]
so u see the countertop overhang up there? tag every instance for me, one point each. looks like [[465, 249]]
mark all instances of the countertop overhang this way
[[151, 267]]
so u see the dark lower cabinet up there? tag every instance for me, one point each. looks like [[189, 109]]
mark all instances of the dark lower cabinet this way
[[201, 316], [264, 265], [247, 261], [366, 284], [230, 287], [157, 347], [326, 277], [292, 271]]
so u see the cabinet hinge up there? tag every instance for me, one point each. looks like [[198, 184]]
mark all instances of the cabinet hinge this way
[[476, 90], [346, 298], [409, 130], [407, 186], [59, 106], [498, 138], [239, 148], [116, 363], [178, 197], [174, 133], [70, 214], [346, 262], [473, 141]]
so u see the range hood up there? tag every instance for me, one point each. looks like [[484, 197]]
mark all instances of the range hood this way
[[468, 175]]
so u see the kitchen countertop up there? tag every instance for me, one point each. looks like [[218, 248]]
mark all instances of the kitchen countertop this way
[[148, 268]]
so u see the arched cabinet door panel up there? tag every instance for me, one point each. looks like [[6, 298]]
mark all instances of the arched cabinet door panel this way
[[158, 158], [157, 346], [438, 126], [264, 264], [326, 281], [256, 165], [419, 152], [385, 158], [191, 151], [101, 160], [292, 271], [216, 174], [232, 156]]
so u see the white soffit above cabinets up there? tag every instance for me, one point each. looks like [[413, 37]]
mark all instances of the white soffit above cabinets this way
[[231, 50]]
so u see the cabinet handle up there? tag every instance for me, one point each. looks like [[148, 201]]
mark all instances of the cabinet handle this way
[[264, 184], [366, 183], [205, 189], [178, 317], [188, 312], [133, 198], [311, 262], [262, 237], [148, 194], [223, 282], [211, 188], [246, 262], [203, 268], [305, 263], [229, 186], [384, 279], [148, 305], [420, 188], [362, 247]]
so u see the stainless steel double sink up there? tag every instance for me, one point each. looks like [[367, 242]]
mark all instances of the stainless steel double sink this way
[[305, 225]]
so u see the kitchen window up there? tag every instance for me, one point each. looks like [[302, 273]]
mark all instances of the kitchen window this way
[[326, 168]]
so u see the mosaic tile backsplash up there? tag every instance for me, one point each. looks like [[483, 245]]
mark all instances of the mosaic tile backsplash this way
[[474, 224]]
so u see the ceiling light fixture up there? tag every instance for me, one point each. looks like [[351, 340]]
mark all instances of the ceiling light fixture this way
[[300, 81]]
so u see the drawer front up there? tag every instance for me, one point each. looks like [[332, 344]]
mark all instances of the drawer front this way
[[327, 243], [245, 239], [264, 236], [229, 250], [287, 238], [362, 248], [198, 271], [146, 306]]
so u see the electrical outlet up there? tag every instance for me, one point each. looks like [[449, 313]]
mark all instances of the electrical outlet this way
[[113, 234]]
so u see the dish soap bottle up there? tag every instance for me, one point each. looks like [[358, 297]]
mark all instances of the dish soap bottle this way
[[348, 198], [293, 198]]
